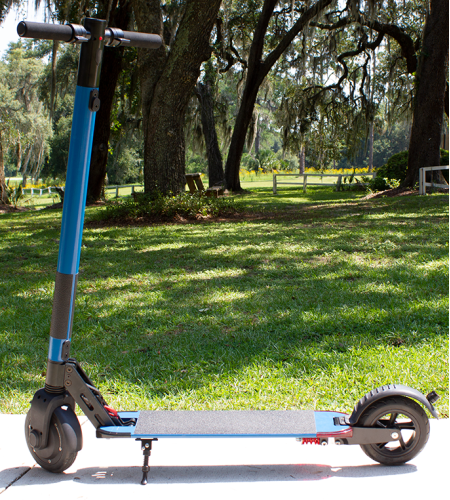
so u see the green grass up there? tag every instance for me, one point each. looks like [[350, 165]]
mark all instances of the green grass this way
[[310, 306]]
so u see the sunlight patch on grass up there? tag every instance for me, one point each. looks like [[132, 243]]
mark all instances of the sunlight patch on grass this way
[[307, 311]]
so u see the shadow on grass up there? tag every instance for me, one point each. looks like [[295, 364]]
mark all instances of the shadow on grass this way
[[171, 308]]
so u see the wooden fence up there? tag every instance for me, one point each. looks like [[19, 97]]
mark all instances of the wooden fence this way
[[39, 191], [422, 179], [305, 177], [52, 189]]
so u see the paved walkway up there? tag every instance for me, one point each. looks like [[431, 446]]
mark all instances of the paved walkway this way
[[213, 469]]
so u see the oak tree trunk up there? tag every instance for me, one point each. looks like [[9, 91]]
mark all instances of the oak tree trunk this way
[[255, 78], [111, 68], [424, 146], [3, 191], [301, 160], [371, 138], [167, 84], [53, 81], [215, 164]]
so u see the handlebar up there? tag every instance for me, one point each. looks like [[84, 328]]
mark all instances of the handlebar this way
[[45, 31], [75, 33], [115, 37]]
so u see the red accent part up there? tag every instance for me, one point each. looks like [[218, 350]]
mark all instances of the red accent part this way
[[111, 411], [100, 38], [310, 441], [347, 432]]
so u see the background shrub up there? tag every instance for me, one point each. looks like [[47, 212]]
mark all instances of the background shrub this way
[[396, 166], [168, 207]]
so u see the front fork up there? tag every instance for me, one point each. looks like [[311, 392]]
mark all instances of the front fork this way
[[77, 388]]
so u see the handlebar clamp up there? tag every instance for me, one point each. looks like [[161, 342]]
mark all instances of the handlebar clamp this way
[[80, 34]]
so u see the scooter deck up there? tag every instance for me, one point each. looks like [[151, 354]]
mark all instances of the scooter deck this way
[[230, 423]]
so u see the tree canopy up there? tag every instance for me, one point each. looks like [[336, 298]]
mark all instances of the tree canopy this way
[[255, 84]]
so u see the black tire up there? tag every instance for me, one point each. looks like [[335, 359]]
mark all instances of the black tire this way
[[64, 441], [399, 413]]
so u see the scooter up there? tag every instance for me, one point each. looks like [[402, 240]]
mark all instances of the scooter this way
[[389, 423]]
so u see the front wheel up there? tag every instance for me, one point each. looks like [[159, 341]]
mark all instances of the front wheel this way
[[64, 441], [408, 418]]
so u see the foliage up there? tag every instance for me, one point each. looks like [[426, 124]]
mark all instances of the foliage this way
[[169, 207], [396, 166], [125, 164], [268, 161], [60, 141], [382, 184], [250, 163], [196, 163], [388, 140], [298, 104], [353, 184], [24, 124], [13, 193]]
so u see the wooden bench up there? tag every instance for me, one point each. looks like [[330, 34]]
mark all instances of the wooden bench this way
[[195, 184], [214, 191]]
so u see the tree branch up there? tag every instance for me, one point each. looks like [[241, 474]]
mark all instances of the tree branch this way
[[362, 46], [309, 14], [407, 45], [403, 39]]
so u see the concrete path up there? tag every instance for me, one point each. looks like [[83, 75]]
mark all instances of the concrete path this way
[[213, 469]]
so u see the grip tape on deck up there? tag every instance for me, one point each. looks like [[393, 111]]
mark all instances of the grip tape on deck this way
[[221, 423]]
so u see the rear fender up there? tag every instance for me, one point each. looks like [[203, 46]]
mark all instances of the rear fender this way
[[387, 391]]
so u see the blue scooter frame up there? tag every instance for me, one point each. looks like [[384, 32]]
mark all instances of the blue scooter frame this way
[[388, 423]]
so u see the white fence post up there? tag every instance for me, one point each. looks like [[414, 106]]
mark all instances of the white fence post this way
[[274, 183], [422, 179], [305, 181]]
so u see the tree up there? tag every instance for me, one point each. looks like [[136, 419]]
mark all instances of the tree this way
[[431, 85], [8, 108], [168, 77], [24, 125], [204, 92], [119, 14], [63, 102], [430, 70], [257, 69], [355, 30]]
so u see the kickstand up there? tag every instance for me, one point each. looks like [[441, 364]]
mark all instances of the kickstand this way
[[146, 447]]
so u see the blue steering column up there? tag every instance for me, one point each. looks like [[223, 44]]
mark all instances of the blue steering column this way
[[83, 122]]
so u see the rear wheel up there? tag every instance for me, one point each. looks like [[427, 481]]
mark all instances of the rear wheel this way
[[64, 441], [408, 418]]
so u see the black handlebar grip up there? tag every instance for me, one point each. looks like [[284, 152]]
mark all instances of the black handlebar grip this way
[[143, 40], [61, 32]]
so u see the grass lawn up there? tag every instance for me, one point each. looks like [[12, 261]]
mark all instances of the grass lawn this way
[[320, 299]]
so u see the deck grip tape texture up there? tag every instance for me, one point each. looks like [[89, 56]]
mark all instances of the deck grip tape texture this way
[[231, 422]]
